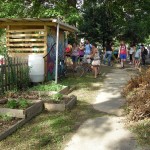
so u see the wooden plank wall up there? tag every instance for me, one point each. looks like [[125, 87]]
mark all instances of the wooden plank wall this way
[[21, 42]]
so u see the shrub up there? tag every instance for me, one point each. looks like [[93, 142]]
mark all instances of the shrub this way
[[12, 104], [57, 97], [23, 103]]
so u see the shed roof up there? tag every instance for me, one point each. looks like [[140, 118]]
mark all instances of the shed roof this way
[[4, 22]]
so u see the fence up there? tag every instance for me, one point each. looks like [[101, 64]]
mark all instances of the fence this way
[[14, 74]]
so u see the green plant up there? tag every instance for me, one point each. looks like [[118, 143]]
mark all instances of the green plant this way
[[12, 104], [141, 129], [23, 103], [20, 103], [48, 87], [5, 117], [57, 97]]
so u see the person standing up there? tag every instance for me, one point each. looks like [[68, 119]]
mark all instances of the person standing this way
[[131, 53], [122, 53], [87, 52], [74, 55], [81, 52], [108, 53], [96, 60], [137, 56], [68, 52], [143, 54]]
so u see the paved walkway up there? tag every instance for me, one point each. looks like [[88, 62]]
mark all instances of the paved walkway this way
[[109, 99], [108, 132]]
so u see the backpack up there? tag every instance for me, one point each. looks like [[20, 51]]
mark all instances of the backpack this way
[[145, 51], [68, 49]]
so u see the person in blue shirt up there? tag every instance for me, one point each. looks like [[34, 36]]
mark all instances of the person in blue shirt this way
[[87, 52]]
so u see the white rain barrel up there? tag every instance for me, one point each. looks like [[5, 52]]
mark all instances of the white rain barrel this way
[[36, 64]]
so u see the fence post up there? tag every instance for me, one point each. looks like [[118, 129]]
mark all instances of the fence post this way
[[2, 75]]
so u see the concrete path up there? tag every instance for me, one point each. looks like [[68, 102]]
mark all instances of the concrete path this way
[[108, 132], [109, 99], [104, 133]]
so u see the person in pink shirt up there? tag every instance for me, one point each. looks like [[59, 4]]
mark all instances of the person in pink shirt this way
[[122, 53]]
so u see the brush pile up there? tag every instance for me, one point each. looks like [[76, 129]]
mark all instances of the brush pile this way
[[137, 92]]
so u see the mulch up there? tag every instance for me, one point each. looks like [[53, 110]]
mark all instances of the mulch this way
[[137, 93]]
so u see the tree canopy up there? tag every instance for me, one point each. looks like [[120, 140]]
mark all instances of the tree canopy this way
[[98, 20], [104, 20]]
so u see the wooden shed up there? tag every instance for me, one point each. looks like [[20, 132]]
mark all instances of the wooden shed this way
[[37, 36]]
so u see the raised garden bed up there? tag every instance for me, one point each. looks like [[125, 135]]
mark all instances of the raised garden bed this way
[[34, 108], [50, 89], [64, 90], [11, 119], [66, 102], [12, 126]]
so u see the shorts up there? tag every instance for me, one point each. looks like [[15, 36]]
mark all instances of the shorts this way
[[123, 56], [96, 63], [137, 58], [74, 58]]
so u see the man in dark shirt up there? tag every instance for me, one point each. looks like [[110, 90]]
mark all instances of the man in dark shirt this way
[[108, 53]]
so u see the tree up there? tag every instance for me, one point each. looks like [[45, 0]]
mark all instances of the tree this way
[[118, 19], [65, 9], [98, 21]]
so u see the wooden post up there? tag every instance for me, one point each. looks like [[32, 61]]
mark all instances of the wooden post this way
[[7, 37], [57, 44], [9, 71], [45, 51], [2, 75]]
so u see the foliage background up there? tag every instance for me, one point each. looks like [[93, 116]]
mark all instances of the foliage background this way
[[97, 20]]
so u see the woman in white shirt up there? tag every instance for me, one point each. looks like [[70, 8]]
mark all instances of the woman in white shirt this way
[[131, 51], [96, 60]]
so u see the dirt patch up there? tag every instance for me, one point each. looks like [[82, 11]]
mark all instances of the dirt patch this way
[[4, 125]]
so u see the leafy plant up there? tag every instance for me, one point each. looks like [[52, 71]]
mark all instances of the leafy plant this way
[[12, 104], [48, 87], [57, 97], [23, 103], [5, 117]]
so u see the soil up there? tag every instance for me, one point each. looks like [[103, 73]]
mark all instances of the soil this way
[[4, 125], [26, 95]]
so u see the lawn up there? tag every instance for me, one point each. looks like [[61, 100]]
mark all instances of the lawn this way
[[49, 131]]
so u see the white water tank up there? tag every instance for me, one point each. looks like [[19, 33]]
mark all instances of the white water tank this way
[[36, 65]]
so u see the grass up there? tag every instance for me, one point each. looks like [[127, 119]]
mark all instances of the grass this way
[[52, 86], [142, 131], [49, 131]]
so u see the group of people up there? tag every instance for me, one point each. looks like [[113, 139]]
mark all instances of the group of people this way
[[87, 53], [137, 54]]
